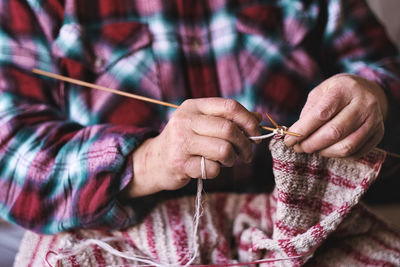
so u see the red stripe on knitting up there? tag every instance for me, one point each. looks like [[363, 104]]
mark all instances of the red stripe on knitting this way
[[35, 252], [53, 241], [274, 198], [248, 210], [245, 246], [317, 173], [344, 209], [50, 248], [74, 261], [369, 159], [204, 233], [268, 213], [269, 210], [118, 247], [178, 230], [363, 258], [148, 223], [318, 232], [222, 249], [365, 183], [287, 230], [311, 203], [128, 238], [78, 236], [289, 249], [98, 255]]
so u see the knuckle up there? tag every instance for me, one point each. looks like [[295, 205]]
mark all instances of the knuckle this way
[[346, 150], [231, 105], [334, 132], [175, 122], [252, 125], [346, 78], [373, 105], [313, 94], [187, 103], [324, 112]]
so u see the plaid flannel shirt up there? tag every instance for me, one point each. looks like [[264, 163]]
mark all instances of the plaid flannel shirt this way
[[66, 151]]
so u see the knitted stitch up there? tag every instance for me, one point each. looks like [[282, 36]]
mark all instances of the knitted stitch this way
[[314, 210]]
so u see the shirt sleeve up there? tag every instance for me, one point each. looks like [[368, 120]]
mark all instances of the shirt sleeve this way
[[355, 42], [55, 174]]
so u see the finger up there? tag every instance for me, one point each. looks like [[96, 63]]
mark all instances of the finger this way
[[315, 114], [354, 142], [224, 129], [370, 144], [344, 123], [212, 148], [193, 168], [231, 110]]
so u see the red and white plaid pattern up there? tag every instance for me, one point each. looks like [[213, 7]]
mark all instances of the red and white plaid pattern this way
[[314, 210]]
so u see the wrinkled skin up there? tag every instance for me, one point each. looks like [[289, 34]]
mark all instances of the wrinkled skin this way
[[343, 117]]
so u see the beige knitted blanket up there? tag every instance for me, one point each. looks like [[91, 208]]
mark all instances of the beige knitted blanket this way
[[313, 212]]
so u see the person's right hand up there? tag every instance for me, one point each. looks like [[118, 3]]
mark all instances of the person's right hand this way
[[215, 128]]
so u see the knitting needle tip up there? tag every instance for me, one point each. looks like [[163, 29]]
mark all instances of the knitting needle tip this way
[[286, 132], [272, 121]]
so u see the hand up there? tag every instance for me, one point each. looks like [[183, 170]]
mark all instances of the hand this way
[[343, 117], [215, 128]]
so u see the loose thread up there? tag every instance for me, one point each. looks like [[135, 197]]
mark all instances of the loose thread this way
[[194, 246]]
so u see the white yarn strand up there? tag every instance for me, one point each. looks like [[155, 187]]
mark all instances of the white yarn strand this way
[[199, 209], [279, 131], [196, 219], [103, 243]]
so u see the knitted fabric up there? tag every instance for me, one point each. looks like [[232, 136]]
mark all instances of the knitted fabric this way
[[314, 211]]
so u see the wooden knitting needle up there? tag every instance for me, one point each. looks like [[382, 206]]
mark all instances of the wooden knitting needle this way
[[392, 154], [138, 97], [99, 87], [272, 121]]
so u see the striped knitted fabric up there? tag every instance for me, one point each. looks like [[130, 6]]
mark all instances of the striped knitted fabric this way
[[314, 211]]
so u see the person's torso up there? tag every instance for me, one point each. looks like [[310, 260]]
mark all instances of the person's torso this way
[[252, 51]]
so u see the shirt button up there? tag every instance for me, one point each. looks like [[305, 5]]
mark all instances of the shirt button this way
[[99, 62]]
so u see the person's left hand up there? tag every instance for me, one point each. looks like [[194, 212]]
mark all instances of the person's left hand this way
[[343, 117]]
